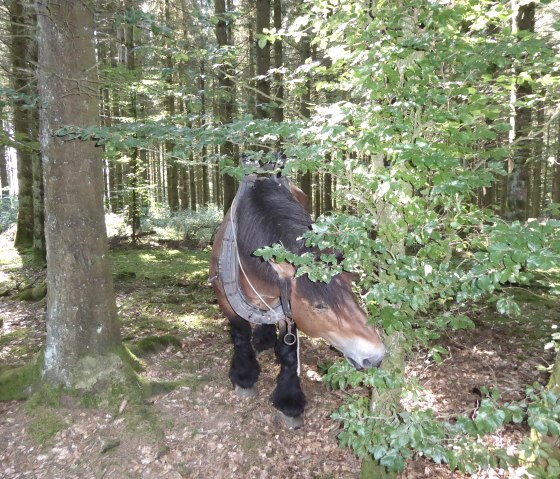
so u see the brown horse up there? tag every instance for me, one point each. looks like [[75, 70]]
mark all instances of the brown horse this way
[[268, 209]]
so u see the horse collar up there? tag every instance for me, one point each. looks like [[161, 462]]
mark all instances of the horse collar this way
[[229, 266]]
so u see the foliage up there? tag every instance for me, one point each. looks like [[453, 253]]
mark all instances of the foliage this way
[[8, 213], [411, 139], [391, 435], [194, 227], [410, 117]]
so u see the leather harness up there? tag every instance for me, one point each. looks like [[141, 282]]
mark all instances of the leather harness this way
[[229, 267]]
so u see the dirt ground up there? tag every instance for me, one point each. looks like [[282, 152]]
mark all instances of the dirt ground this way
[[206, 431]]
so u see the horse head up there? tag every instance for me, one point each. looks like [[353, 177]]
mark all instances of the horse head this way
[[332, 312]]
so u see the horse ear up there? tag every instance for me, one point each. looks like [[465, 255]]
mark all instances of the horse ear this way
[[284, 270]]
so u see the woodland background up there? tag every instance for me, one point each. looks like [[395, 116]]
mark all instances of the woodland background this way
[[426, 134]]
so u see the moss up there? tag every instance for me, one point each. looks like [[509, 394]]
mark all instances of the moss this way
[[153, 343], [172, 364], [16, 335], [44, 425], [534, 296], [44, 395], [373, 470], [160, 265], [108, 382], [33, 293], [130, 358], [18, 383]]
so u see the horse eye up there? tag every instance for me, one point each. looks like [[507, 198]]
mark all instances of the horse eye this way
[[320, 306]]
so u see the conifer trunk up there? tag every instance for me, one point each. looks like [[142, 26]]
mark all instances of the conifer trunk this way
[[21, 80], [226, 107], [517, 203]]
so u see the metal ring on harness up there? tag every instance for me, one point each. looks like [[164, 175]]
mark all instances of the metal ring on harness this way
[[290, 339]]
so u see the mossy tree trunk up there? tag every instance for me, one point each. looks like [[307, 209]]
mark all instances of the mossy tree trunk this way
[[82, 322], [388, 219], [388, 399]]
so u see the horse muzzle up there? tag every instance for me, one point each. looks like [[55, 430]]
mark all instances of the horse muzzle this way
[[367, 363]]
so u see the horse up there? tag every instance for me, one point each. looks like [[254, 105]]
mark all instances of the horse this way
[[269, 209]]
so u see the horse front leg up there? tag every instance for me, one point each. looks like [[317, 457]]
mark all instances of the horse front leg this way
[[245, 369], [288, 397], [264, 337]]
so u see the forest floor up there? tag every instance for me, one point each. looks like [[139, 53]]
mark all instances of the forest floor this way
[[202, 429]]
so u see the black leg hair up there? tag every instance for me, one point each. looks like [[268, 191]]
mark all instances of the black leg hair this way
[[264, 337], [288, 396], [245, 369]]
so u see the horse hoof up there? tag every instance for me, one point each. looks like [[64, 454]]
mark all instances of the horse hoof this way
[[245, 392], [291, 422]]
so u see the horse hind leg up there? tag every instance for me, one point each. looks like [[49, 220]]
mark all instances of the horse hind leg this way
[[245, 369], [264, 337], [288, 397]]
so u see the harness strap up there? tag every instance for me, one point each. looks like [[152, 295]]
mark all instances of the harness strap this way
[[229, 266]]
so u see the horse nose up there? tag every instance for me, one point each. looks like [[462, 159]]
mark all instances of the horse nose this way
[[373, 362]]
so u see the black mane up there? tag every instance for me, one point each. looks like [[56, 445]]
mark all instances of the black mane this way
[[268, 213]]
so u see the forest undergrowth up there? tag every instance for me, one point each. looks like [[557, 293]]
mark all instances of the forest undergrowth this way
[[199, 428]]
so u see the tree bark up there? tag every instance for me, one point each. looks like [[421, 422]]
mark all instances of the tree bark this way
[[556, 169], [278, 111], [81, 314], [536, 170], [305, 104], [135, 164], [21, 80], [518, 177], [172, 168], [192, 186], [4, 183], [224, 36], [263, 60]]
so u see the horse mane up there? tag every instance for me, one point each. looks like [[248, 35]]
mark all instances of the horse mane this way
[[268, 213]]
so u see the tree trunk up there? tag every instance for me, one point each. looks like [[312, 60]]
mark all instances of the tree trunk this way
[[518, 177], [192, 186], [263, 59], [36, 162], [556, 168], [172, 168], [4, 183], [81, 315], [38, 193], [317, 194], [20, 34], [226, 106], [536, 170], [135, 166], [278, 111], [204, 152], [327, 193], [252, 53], [305, 55]]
